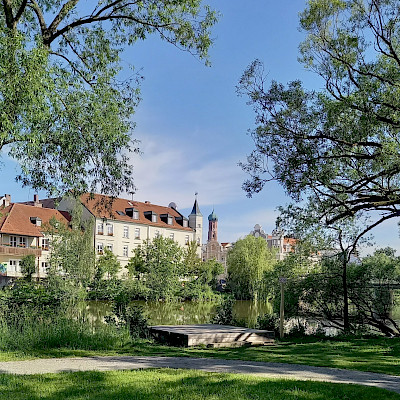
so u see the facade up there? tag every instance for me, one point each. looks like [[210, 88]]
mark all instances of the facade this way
[[213, 250], [276, 240], [22, 233], [120, 225]]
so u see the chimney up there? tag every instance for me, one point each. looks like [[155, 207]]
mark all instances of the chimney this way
[[36, 201], [6, 200]]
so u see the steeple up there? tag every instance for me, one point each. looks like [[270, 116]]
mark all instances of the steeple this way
[[212, 227], [196, 221], [196, 208]]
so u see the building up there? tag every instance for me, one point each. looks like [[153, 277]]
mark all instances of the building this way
[[22, 233], [120, 225], [277, 240], [213, 250]]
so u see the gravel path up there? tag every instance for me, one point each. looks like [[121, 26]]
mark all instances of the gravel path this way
[[276, 370]]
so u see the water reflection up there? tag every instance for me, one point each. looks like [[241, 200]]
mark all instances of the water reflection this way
[[182, 313]]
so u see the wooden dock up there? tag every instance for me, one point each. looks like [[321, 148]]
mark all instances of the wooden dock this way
[[210, 335]]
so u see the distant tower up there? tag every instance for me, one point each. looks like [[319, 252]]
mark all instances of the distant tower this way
[[212, 227], [196, 222]]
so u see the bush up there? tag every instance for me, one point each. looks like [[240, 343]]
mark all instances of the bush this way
[[224, 312], [268, 322]]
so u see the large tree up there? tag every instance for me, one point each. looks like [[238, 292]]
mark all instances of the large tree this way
[[337, 148], [65, 109], [249, 262]]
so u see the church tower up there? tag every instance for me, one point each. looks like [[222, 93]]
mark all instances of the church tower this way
[[212, 227], [196, 222]]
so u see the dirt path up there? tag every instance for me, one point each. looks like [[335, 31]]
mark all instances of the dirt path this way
[[276, 370]]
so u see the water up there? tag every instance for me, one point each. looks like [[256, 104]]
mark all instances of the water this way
[[182, 313]]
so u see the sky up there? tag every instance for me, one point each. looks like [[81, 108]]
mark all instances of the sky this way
[[193, 127]]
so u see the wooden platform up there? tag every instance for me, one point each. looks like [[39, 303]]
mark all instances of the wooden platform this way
[[210, 335]]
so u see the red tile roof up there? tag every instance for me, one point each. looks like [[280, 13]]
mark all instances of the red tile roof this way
[[15, 219], [104, 207]]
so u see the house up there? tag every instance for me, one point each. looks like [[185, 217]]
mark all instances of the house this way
[[121, 225], [22, 233], [277, 240]]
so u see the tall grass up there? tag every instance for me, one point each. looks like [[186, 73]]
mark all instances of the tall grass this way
[[30, 332]]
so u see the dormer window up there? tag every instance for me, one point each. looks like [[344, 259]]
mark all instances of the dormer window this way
[[132, 212], [151, 216], [182, 221], [167, 218], [36, 221]]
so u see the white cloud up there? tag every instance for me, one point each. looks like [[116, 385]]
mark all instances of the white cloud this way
[[168, 171]]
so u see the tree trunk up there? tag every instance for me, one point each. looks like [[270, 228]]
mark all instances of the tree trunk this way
[[346, 322]]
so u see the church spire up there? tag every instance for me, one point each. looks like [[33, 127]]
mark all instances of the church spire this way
[[196, 208]]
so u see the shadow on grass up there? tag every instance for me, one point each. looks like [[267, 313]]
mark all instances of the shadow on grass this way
[[174, 384]]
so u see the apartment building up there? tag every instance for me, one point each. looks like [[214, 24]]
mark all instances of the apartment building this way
[[120, 225], [22, 233]]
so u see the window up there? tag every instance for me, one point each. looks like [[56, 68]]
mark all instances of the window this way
[[171, 236], [45, 266], [14, 265], [157, 233], [187, 239], [45, 244], [13, 241], [110, 230], [125, 251], [198, 241], [126, 231], [110, 247], [199, 225], [22, 241], [100, 248], [100, 230], [137, 233]]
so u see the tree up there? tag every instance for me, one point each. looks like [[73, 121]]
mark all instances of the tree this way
[[108, 264], [28, 266], [159, 263], [319, 294], [66, 113], [248, 262], [72, 257], [338, 148]]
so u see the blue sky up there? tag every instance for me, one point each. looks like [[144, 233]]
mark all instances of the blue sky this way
[[193, 126]]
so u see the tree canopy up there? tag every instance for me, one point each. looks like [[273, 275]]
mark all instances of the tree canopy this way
[[65, 109], [337, 148]]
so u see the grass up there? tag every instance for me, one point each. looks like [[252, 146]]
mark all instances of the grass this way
[[375, 355], [176, 385]]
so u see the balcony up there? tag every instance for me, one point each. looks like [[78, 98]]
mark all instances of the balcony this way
[[19, 251]]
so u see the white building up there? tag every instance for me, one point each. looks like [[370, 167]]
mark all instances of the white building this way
[[121, 225], [276, 240]]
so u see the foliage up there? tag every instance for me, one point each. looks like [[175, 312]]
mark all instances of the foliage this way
[[108, 264], [202, 281], [28, 266], [72, 257], [249, 261], [319, 295], [66, 108], [109, 289], [224, 313], [159, 264], [127, 316], [268, 322], [336, 149]]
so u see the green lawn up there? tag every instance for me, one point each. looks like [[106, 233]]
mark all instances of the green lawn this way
[[175, 385], [375, 355]]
